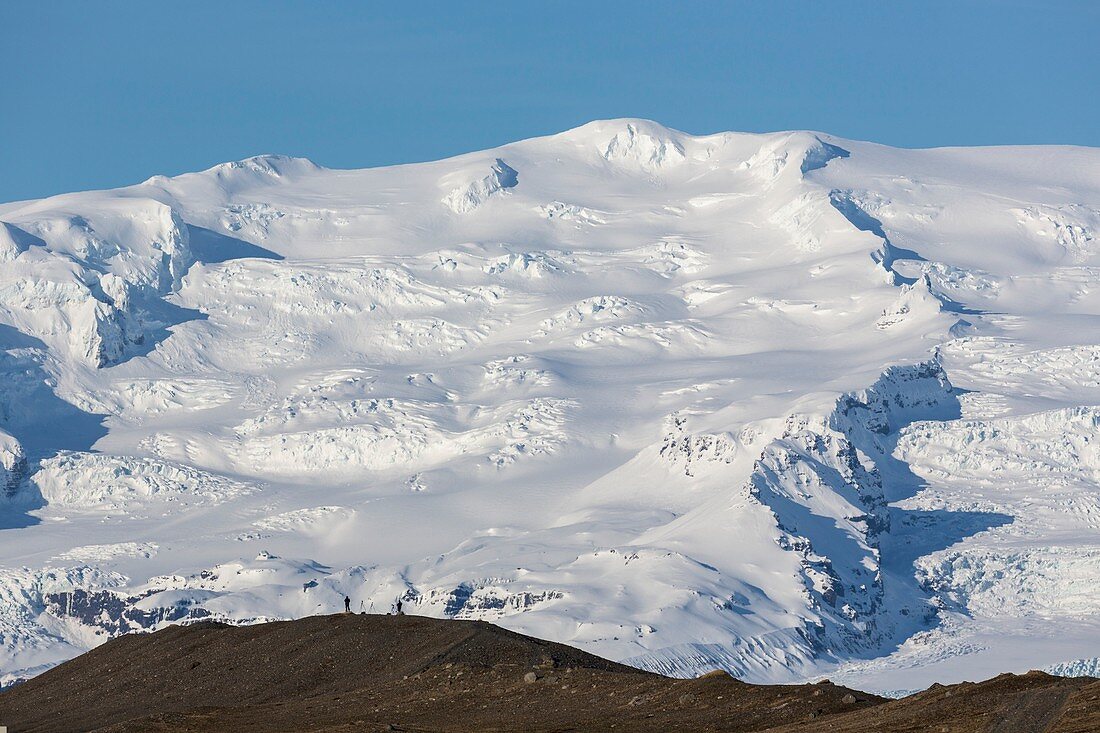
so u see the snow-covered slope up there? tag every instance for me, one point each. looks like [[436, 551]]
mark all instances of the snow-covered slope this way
[[786, 404]]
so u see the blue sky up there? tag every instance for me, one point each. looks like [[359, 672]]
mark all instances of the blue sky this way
[[108, 93]]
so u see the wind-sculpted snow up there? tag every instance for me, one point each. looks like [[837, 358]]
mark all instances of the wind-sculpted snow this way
[[649, 149], [1052, 448], [316, 520], [1003, 366], [573, 213], [589, 310], [1042, 470], [517, 371], [1073, 228], [135, 399], [82, 290], [95, 482], [382, 435], [14, 242], [1042, 583], [102, 553], [1076, 668], [524, 264], [784, 404], [466, 198]]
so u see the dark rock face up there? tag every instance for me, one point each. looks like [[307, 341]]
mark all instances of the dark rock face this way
[[13, 469], [469, 599], [116, 613]]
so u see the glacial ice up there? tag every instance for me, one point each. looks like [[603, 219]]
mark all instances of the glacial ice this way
[[783, 404]]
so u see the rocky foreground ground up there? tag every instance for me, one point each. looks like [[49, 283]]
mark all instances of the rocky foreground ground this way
[[407, 673]]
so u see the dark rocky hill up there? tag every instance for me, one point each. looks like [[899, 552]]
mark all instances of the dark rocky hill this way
[[376, 673]]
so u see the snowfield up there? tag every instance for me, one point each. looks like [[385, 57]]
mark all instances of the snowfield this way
[[784, 404]]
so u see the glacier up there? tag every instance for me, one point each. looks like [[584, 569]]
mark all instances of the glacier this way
[[784, 404]]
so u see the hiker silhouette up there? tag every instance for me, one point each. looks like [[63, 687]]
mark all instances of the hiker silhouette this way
[[397, 606], [347, 604]]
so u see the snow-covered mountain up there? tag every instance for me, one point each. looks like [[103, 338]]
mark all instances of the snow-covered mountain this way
[[787, 404]]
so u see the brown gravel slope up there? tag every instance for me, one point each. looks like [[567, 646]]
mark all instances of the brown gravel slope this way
[[1030, 703], [376, 673], [353, 672]]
